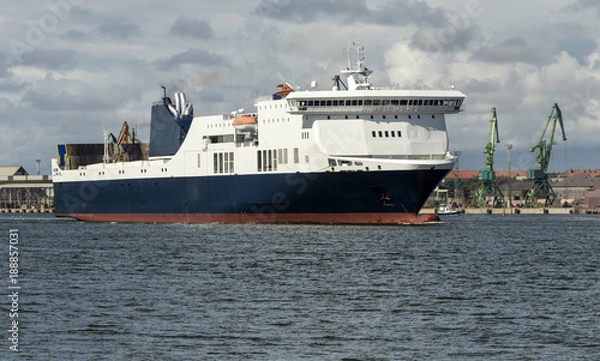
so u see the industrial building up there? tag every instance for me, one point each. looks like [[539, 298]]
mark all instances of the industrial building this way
[[20, 191]]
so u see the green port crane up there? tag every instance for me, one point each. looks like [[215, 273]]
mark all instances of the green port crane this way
[[541, 188], [488, 187]]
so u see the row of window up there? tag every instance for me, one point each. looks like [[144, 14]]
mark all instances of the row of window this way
[[267, 160], [386, 133], [272, 106], [384, 117], [222, 162], [378, 102], [276, 120]]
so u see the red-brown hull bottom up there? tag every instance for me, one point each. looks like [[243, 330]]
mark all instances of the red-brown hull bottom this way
[[314, 218]]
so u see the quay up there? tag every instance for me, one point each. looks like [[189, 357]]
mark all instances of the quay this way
[[26, 210], [518, 211]]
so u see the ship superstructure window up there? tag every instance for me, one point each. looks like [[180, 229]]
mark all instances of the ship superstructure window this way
[[386, 134], [267, 160], [296, 156], [259, 160], [222, 138], [223, 163]]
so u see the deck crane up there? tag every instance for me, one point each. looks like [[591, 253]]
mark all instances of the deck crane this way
[[488, 186], [541, 188]]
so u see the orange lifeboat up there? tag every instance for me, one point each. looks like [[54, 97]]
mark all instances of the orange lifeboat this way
[[285, 90], [246, 123]]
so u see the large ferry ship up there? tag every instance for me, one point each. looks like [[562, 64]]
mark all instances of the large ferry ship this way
[[352, 153]]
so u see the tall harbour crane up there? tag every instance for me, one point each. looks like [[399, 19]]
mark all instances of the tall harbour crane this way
[[541, 188], [488, 187]]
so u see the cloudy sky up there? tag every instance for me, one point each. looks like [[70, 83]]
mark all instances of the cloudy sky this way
[[70, 68]]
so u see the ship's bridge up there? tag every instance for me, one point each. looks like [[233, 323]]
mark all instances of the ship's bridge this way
[[375, 102]]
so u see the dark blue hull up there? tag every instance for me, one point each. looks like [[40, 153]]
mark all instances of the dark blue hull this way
[[384, 196]]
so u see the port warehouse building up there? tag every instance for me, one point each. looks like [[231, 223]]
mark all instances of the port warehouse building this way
[[20, 190]]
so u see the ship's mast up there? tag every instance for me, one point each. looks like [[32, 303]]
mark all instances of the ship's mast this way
[[358, 74]]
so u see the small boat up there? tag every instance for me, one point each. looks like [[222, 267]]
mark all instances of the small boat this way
[[246, 123], [447, 210]]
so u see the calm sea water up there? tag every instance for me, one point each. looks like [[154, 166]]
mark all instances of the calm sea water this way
[[472, 288]]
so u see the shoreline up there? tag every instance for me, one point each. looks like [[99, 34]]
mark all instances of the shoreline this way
[[519, 211]]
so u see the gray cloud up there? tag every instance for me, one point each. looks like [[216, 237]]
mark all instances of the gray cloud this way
[[10, 86], [410, 12], [515, 49], [118, 29], [74, 96], [487, 86], [580, 48], [83, 15], [4, 72], [76, 35], [50, 59], [62, 100], [192, 56], [449, 38], [194, 28], [582, 5]]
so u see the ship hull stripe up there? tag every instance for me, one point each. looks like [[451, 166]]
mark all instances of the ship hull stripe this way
[[300, 218]]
